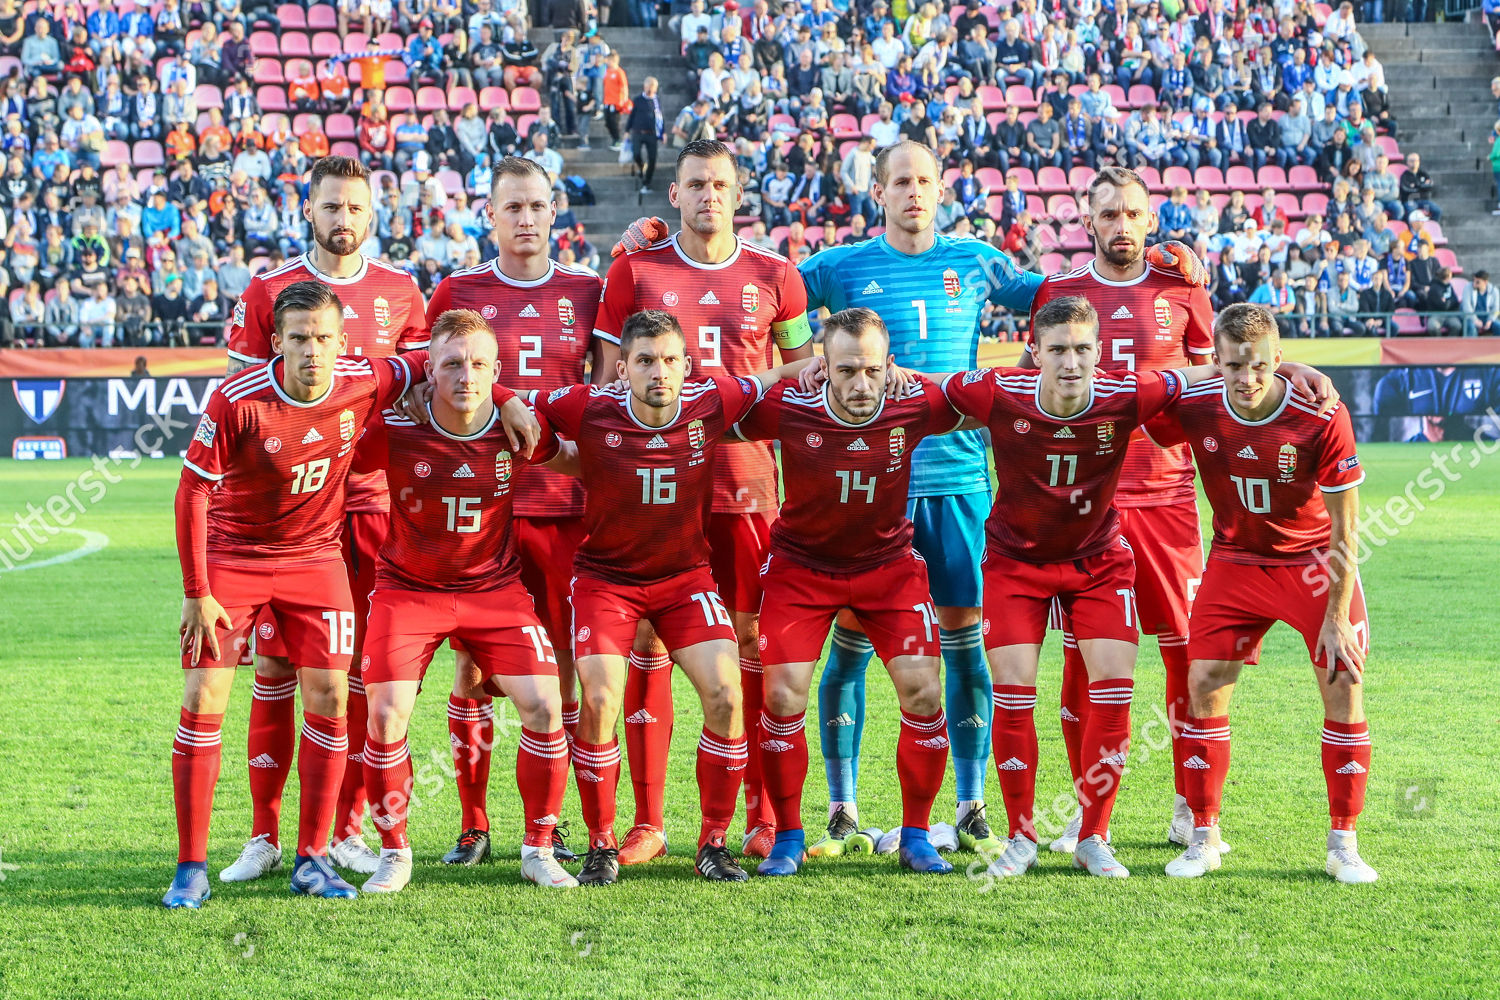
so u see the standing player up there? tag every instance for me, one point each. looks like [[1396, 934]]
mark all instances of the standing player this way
[[1059, 437], [1283, 481], [448, 569], [647, 454], [543, 316], [734, 300], [382, 315], [931, 291], [843, 541], [1149, 319], [258, 516]]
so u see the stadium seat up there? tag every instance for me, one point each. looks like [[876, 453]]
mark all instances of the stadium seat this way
[[326, 43], [357, 41], [1051, 180], [399, 99], [1240, 177], [1211, 179], [431, 99], [1271, 176], [991, 178], [1289, 205], [292, 16], [1177, 177], [1252, 202], [845, 126], [1062, 207], [1023, 176], [1079, 178], [1021, 96], [1151, 177], [461, 97], [524, 123], [451, 180], [1389, 147], [340, 126], [949, 176], [991, 98], [395, 72], [491, 98], [388, 40], [345, 148], [1407, 322], [1116, 95], [1080, 258], [525, 99], [1053, 263], [304, 123], [115, 151], [1447, 258], [264, 43], [208, 96], [1140, 95], [323, 16], [147, 153], [1302, 178], [295, 43], [1435, 230], [1314, 204]]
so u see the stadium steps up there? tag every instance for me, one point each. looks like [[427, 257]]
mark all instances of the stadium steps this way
[[1439, 79], [643, 52]]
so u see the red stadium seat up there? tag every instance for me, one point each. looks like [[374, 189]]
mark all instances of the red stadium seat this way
[[1079, 178], [267, 71], [461, 97], [1081, 258], [304, 123], [399, 99], [208, 96], [7, 64], [991, 178], [1062, 207], [357, 41], [1140, 95], [264, 43], [340, 126], [275, 122], [1024, 177], [1389, 147], [994, 207], [1252, 202], [115, 151], [1435, 230], [1271, 176], [491, 98], [271, 98], [326, 43], [1177, 177], [1020, 96], [451, 180], [1116, 95], [1051, 180], [1303, 178], [388, 40], [147, 153], [1315, 204], [345, 148], [991, 98], [1211, 179], [1408, 323], [431, 99], [1448, 259], [845, 126], [322, 15], [291, 16], [1151, 177], [295, 43], [525, 99], [1054, 263], [1156, 201], [395, 72], [1240, 177], [1289, 205], [524, 123], [949, 176]]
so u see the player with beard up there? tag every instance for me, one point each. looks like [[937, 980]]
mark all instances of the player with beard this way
[[734, 300], [542, 313], [1150, 319], [383, 314]]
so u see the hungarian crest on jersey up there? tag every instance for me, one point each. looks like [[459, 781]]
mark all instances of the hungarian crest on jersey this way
[[1106, 431], [347, 426], [897, 442], [382, 310], [502, 466], [951, 284], [565, 312], [1286, 460], [696, 434], [750, 298], [1163, 312]]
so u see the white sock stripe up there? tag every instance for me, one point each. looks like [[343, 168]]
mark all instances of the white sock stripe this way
[[926, 727], [199, 737], [553, 749], [854, 642], [1346, 739], [783, 728], [965, 643], [262, 693], [1171, 640], [1111, 696], [383, 759], [471, 714], [591, 758], [329, 742], [650, 663], [1019, 702], [714, 748], [356, 686], [571, 713], [1212, 735]]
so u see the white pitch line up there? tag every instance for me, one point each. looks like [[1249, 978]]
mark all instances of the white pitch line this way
[[93, 541]]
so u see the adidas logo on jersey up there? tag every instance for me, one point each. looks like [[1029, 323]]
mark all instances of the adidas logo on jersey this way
[[264, 760], [584, 774], [972, 722], [858, 444], [1195, 763], [1122, 313], [1114, 760], [842, 719], [312, 436], [1248, 452], [640, 717], [463, 472], [530, 312], [1353, 767], [873, 288], [1013, 764], [657, 441], [1068, 716], [934, 743], [709, 299], [349, 313], [1066, 432], [775, 746]]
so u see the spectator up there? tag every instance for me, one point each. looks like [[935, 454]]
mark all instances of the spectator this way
[[1278, 297], [1481, 306], [96, 318], [1342, 307], [40, 54], [29, 314], [60, 318], [1377, 302], [171, 311], [1043, 141], [1416, 188], [646, 128], [1442, 306]]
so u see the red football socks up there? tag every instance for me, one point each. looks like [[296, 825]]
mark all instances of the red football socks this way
[[273, 740], [783, 756], [648, 732], [1202, 764], [758, 811], [1346, 769], [1175, 659], [196, 755], [1106, 742], [542, 777], [388, 779], [596, 766], [349, 812], [921, 761], [471, 734], [721, 767], [321, 756], [1075, 704], [1013, 735]]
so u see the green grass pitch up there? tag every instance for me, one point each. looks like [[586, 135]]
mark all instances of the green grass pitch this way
[[89, 689]]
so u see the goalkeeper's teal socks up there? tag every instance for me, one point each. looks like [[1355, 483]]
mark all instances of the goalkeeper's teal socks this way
[[968, 699], [841, 710]]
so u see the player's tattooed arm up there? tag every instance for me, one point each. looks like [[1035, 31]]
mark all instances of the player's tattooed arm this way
[[236, 365], [1337, 636], [566, 459]]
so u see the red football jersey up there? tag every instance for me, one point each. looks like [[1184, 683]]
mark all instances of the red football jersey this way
[[1155, 322], [545, 329], [1265, 479], [1057, 476], [382, 314], [730, 313], [278, 465], [846, 484], [450, 526], [648, 487]]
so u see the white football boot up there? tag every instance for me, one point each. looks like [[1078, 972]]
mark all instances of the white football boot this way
[[1344, 862], [1181, 829], [1018, 858], [259, 857], [1098, 857], [354, 854], [541, 867], [393, 871], [1201, 857]]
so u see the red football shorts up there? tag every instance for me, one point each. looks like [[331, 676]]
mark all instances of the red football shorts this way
[[1096, 594], [1238, 603], [737, 548], [684, 609], [892, 602], [498, 628], [309, 606], [546, 546], [1168, 546]]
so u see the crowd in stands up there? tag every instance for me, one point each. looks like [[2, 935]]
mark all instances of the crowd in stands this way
[[156, 156]]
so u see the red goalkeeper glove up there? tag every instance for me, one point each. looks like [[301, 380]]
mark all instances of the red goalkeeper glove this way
[[641, 234], [1175, 255]]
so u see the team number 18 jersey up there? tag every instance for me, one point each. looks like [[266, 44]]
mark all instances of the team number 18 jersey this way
[[931, 302]]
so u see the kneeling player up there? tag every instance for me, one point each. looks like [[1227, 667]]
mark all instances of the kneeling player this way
[[647, 454], [448, 569], [1283, 481], [1059, 436], [843, 541]]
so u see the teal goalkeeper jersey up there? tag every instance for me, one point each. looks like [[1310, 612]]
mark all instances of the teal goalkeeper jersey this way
[[931, 303]]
